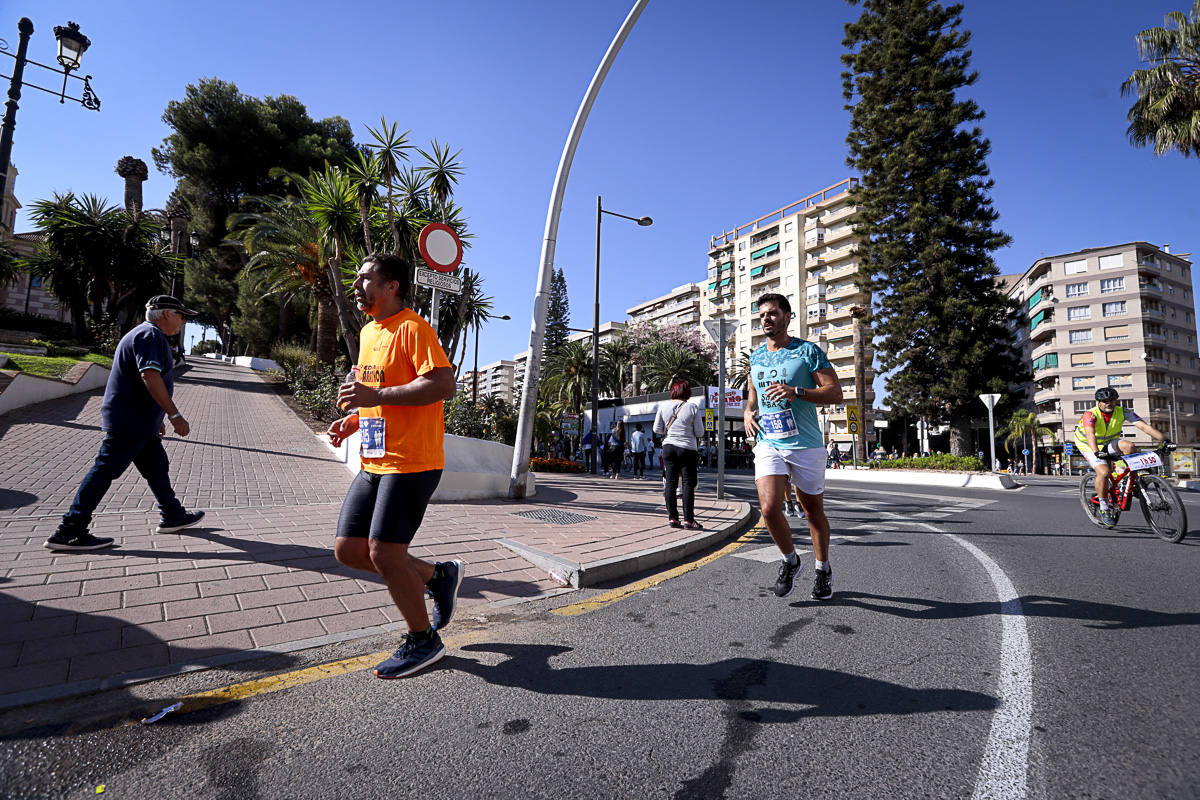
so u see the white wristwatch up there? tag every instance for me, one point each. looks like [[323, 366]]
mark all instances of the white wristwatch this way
[[176, 415]]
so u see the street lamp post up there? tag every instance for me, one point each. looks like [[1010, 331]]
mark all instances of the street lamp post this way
[[475, 371], [71, 45], [644, 222]]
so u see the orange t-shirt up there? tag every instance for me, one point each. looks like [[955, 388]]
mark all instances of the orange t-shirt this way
[[393, 352]]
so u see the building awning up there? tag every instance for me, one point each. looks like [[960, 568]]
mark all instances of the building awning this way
[[712, 285], [764, 252], [1037, 319], [756, 271], [726, 281], [727, 265]]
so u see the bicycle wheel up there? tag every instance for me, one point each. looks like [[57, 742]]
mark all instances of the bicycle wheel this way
[[1162, 507], [1087, 491]]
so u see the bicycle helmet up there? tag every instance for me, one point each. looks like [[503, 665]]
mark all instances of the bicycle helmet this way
[[1106, 395]]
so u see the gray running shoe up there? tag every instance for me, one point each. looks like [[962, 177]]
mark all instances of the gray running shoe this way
[[787, 577], [413, 656], [822, 584], [444, 591]]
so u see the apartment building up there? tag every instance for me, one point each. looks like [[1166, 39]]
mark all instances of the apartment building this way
[[804, 251], [608, 330], [679, 308], [1120, 316]]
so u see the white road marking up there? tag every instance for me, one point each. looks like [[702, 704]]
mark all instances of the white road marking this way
[[1003, 771]]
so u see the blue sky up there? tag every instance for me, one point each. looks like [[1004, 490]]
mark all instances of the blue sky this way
[[714, 113]]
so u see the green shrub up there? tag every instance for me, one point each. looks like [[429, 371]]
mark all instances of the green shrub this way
[[942, 461], [314, 385], [295, 361], [205, 347], [32, 323]]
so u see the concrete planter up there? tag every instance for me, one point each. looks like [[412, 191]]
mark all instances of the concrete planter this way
[[475, 469], [26, 390]]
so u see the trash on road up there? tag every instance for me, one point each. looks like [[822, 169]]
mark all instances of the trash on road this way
[[559, 578], [100, 789], [171, 709]]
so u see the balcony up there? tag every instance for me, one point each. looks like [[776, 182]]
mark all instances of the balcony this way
[[839, 233], [833, 274], [845, 212], [1043, 347], [1042, 331], [1154, 312], [839, 332], [1147, 264], [814, 237], [1158, 337], [1150, 287], [759, 274], [1037, 274], [847, 290], [835, 255], [839, 312]]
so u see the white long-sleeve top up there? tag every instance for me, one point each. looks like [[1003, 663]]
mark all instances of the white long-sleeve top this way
[[687, 428]]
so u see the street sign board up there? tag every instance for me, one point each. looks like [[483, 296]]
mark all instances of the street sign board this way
[[1070, 447], [989, 400], [570, 424], [1184, 460], [708, 419], [440, 247], [852, 427], [852, 416], [713, 326], [438, 280], [733, 398], [1025, 452]]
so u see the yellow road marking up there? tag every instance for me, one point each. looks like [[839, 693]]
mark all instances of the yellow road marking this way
[[300, 677], [616, 595]]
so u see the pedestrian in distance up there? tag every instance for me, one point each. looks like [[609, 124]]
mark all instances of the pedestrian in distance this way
[[137, 405], [637, 444], [789, 377], [395, 402], [616, 449], [589, 449], [681, 427]]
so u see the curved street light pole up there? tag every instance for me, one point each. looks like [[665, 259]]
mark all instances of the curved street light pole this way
[[475, 371], [533, 366]]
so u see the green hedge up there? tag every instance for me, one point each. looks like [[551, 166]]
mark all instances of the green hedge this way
[[314, 384], [943, 461], [32, 323]]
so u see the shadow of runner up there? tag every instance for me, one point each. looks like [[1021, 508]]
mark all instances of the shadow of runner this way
[[823, 692]]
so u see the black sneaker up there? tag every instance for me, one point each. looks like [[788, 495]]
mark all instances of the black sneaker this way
[[76, 539], [822, 584], [188, 519], [444, 591], [413, 656], [787, 577]]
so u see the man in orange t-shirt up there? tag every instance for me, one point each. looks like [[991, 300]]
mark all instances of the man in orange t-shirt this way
[[399, 384]]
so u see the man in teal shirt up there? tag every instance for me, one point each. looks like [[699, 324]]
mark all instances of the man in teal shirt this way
[[789, 377]]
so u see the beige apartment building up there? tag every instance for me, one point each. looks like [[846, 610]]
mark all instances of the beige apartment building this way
[[679, 308], [1120, 316], [804, 251], [495, 379]]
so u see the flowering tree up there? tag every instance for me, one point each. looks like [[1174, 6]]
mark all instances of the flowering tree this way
[[642, 335]]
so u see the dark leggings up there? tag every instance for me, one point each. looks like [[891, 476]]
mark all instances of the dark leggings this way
[[678, 460]]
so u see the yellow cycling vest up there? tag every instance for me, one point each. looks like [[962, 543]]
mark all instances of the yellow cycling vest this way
[[1105, 431]]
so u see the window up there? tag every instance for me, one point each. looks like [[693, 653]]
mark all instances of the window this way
[[1114, 309], [1118, 356], [1080, 336], [1079, 312], [1120, 380], [1114, 333], [1112, 262], [1075, 267], [741, 262], [741, 245], [787, 245], [1082, 406], [789, 262], [1083, 359], [1083, 382], [787, 227], [1112, 285], [1077, 289]]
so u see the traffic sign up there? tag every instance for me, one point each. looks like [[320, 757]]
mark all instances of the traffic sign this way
[[852, 427], [1025, 452], [440, 247], [708, 419], [1070, 448], [989, 400], [438, 280], [852, 416]]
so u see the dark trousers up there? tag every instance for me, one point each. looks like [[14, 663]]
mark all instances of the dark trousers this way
[[679, 461], [589, 458], [639, 464], [117, 452]]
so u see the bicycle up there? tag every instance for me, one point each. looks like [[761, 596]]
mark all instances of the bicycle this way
[[1160, 502]]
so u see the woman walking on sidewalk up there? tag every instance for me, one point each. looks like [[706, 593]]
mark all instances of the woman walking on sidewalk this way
[[616, 449], [680, 425]]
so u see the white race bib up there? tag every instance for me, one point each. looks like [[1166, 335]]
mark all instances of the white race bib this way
[[1143, 460], [372, 432], [779, 424]]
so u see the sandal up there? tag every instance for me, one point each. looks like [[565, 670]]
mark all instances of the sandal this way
[[674, 523], [693, 525]]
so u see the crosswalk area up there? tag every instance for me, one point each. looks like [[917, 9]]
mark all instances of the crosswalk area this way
[[874, 510]]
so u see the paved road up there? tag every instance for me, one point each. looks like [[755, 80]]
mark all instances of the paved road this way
[[911, 683]]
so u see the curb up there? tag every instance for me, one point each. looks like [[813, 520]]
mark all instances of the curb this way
[[960, 480], [581, 576]]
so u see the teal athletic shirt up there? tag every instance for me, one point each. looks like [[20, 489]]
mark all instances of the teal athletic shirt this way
[[787, 424]]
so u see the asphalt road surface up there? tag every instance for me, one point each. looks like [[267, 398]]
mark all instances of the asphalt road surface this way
[[979, 644]]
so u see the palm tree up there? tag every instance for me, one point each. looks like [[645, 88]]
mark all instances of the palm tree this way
[[331, 200], [567, 380], [365, 172], [739, 376], [1024, 423], [616, 366], [664, 363], [1166, 113], [391, 147], [287, 257]]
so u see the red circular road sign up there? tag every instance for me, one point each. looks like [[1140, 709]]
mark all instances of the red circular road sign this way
[[440, 247]]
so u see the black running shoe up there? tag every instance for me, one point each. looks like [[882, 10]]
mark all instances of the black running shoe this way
[[413, 656], [787, 577], [822, 584], [67, 538], [444, 591], [188, 519]]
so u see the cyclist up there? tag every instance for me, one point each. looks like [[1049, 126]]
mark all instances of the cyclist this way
[[1099, 431]]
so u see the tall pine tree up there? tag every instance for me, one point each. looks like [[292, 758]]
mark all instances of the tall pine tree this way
[[558, 313], [926, 218]]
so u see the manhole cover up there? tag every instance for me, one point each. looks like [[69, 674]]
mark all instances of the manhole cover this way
[[554, 516]]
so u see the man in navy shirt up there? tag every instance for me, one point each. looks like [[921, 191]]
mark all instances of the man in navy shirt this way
[[136, 400]]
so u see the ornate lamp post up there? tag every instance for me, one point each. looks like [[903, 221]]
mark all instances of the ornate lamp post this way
[[71, 46]]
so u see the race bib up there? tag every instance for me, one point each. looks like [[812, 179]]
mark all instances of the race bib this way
[[372, 430], [1143, 460], [778, 424]]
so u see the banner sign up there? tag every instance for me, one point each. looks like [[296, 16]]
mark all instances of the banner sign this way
[[733, 398], [570, 424], [1184, 460]]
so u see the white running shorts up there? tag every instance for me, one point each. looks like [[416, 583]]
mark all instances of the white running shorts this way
[[1112, 448], [805, 467]]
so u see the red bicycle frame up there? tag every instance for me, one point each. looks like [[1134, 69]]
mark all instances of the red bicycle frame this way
[[1120, 488]]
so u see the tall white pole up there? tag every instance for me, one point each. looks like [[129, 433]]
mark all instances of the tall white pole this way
[[721, 415], [533, 365]]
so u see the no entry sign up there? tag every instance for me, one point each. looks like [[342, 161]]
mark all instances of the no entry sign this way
[[440, 247]]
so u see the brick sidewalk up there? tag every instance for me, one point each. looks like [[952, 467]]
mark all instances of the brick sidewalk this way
[[259, 575]]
